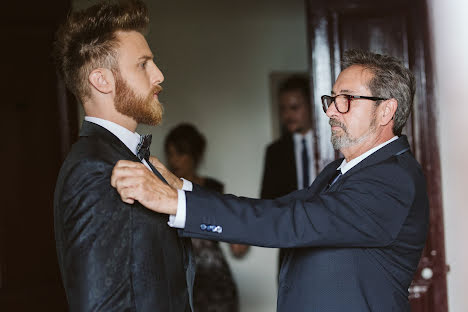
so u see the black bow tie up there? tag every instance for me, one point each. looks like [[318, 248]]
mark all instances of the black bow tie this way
[[143, 148]]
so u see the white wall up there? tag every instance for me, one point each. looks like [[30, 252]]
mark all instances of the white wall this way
[[450, 40], [216, 57]]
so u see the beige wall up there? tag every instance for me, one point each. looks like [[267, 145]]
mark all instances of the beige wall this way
[[450, 40], [216, 57]]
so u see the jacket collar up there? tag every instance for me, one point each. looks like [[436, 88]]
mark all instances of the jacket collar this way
[[394, 148], [90, 129]]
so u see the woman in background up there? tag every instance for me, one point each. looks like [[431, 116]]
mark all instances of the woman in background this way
[[214, 288]]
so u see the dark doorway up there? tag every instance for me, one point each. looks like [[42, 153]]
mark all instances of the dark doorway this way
[[398, 28], [37, 125]]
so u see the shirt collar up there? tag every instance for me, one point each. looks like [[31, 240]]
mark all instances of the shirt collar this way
[[129, 138], [298, 137], [346, 166]]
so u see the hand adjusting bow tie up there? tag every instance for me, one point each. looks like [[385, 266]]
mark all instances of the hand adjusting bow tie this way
[[143, 148]]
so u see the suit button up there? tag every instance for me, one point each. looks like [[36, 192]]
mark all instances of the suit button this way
[[203, 226]]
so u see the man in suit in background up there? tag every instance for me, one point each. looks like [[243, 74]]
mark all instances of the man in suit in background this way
[[355, 236], [114, 256], [289, 162]]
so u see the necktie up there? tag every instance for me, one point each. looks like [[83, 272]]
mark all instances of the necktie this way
[[305, 165], [334, 178], [143, 148]]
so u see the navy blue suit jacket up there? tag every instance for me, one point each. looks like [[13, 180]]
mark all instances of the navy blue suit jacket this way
[[114, 256], [354, 247]]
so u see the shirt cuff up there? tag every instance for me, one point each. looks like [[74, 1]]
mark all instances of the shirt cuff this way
[[187, 186], [178, 221]]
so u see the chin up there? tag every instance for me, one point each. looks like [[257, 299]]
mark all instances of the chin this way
[[292, 129]]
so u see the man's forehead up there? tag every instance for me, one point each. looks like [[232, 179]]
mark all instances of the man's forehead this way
[[351, 80], [133, 43]]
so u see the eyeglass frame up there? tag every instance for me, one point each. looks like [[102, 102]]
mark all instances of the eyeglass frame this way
[[349, 97]]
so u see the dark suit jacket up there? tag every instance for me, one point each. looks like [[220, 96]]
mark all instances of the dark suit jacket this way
[[354, 247], [114, 256], [279, 172]]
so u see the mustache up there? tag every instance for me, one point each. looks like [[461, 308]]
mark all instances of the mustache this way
[[337, 123], [156, 89]]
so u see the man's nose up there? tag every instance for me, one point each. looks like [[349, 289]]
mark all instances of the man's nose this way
[[331, 110], [157, 76]]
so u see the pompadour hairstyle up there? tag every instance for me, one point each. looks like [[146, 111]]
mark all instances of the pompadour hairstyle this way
[[87, 40], [391, 80]]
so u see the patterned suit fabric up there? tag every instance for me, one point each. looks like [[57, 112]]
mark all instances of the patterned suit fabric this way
[[114, 256]]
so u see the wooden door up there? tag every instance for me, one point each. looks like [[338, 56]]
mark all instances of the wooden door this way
[[36, 132], [398, 28]]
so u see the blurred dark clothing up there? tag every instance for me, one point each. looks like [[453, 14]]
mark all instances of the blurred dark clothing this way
[[214, 288], [279, 173]]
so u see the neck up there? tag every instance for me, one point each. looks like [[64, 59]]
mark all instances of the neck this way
[[354, 151], [102, 111], [303, 131]]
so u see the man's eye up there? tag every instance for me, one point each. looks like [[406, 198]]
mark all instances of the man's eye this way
[[143, 65]]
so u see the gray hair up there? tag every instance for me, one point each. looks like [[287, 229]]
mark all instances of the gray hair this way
[[391, 80]]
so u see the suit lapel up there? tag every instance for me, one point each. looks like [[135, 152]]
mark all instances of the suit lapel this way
[[90, 129], [156, 172], [394, 148]]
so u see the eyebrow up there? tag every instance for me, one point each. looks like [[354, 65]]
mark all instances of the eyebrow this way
[[343, 91], [146, 57]]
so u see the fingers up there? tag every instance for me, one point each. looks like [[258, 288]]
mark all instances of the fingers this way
[[134, 182], [155, 162], [125, 168], [129, 181], [126, 195], [128, 163]]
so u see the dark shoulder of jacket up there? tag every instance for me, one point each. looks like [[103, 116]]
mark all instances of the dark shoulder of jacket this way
[[97, 149], [214, 185], [333, 165], [279, 143]]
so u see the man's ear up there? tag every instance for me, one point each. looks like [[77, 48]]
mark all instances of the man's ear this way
[[102, 80], [389, 108]]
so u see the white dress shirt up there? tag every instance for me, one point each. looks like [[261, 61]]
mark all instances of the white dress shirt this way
[[346, 166], [182, 205], [297, 138]]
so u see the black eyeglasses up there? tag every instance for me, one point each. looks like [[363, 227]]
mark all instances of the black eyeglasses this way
[[343, 101]]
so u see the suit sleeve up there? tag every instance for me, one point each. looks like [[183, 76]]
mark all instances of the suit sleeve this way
[[368, 210], [96, 239]]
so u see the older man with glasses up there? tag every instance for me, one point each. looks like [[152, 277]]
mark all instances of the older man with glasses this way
[[357, 233]]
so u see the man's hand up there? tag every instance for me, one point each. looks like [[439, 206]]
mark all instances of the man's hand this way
[[134, 181], [173, 181]]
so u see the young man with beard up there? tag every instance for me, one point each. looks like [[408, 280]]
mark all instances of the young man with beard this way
[[114, 256], [357, 233]]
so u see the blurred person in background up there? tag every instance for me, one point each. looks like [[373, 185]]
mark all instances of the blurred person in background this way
[[214, 287], [289, 161]]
